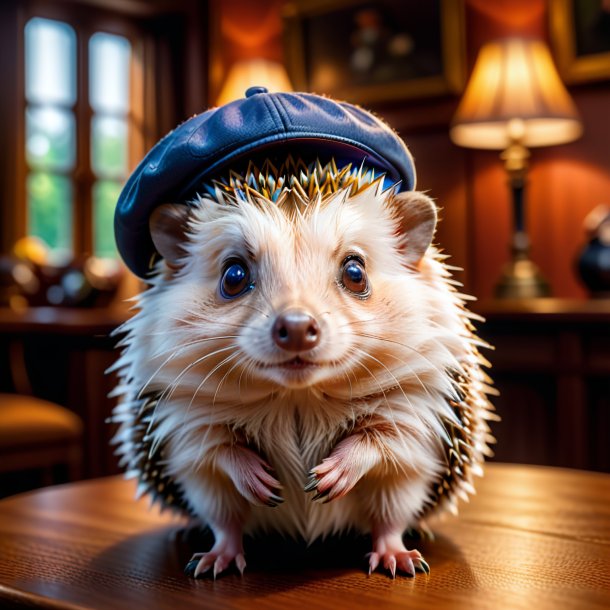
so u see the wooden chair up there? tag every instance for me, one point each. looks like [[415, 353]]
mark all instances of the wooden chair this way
[[36, 434]]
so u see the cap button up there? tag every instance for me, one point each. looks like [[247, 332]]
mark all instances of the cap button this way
[[255, 91]]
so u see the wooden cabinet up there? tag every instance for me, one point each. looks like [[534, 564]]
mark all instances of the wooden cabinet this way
[[62, 355], [551, 364]]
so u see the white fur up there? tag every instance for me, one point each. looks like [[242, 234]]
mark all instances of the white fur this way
[[383, 359]]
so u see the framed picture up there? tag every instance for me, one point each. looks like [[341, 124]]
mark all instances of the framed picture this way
[[580, 34], [377, 50]]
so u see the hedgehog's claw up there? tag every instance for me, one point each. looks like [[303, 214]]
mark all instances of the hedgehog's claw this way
[[338, 473], [405, 564], [189, 568], [312, 483], [373, 562], [201, 563]]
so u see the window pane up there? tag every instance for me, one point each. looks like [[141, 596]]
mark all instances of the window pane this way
[[50, 210], [105, 196], [50, 138], [109, 147], [50, 61], [109, 73]]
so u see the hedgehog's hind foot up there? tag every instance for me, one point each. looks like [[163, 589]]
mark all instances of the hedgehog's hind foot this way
[[216, 561], [390, 553], [228, 549], [406, 562]]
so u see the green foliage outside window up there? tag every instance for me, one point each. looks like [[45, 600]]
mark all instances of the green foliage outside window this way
[[50, 210], [51, 132], [105, 195]]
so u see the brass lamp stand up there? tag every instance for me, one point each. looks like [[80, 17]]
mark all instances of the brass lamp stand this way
[[514, 101], [521, 277]]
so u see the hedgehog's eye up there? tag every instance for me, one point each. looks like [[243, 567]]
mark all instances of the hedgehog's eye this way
[[353, 276], [235, 279]]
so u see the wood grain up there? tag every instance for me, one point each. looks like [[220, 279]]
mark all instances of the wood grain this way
[[533, 537]]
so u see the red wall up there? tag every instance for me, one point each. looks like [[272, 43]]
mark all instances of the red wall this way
[[565, 182], [243, 30]]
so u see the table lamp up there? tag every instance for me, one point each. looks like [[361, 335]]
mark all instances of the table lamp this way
[[515, 100], [250, 73]]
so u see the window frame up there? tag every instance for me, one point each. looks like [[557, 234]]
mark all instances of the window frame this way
[[86, 23], [173, 56]]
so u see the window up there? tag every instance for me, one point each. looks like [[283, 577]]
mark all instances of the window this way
[[89, 86], [50, 93], [109, 99], [80, 131]]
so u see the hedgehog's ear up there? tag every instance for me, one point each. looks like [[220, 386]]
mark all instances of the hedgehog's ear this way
[[168, 226], [416, 216]]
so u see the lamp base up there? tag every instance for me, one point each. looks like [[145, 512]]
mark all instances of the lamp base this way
[[521, 279]]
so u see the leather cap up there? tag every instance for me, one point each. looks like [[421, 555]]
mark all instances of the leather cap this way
[[261, 125]]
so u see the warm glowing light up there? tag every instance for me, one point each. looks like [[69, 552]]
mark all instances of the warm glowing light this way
[[515, 95], [250, 73]]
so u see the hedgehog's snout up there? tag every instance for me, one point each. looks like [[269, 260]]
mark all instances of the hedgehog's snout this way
[[296, 330]]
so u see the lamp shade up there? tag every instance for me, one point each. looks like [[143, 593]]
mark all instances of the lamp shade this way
[[515, 95], [250, 73]]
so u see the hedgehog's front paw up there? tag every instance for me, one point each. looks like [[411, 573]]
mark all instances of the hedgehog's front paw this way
[[251, 475], [334, 477], [331, 479], [348, 462]]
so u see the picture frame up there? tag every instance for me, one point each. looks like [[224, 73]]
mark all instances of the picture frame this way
[[376, 51], [580, 36]]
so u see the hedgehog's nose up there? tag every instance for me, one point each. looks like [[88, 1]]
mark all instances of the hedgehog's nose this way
[[296, 331]]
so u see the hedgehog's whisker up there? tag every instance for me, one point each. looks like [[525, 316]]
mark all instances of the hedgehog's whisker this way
[[173, 355], [193, 343], [236, 364], [204, 381], [257, 309], [405, 345], [171, 387], [410, 369]]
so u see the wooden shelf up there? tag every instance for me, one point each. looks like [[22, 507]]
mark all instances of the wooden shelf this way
[[65, 320], [541, 310]]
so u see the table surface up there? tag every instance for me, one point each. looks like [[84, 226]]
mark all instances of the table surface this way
[[532, 537]]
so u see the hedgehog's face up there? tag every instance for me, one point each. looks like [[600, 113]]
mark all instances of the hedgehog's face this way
[[298, 294]]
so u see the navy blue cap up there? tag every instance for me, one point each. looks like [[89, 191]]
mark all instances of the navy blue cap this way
[[262, 124]]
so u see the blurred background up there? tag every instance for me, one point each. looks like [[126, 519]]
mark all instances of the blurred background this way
[[503, 104]]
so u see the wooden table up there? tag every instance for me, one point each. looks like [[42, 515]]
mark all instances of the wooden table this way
[[533, 537]]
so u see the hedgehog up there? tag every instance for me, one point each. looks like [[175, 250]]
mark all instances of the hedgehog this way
[[302, 362]]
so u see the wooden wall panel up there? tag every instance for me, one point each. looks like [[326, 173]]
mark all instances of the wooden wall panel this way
[[440, 172], [527, 433], [552, 370], [599, 422]]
